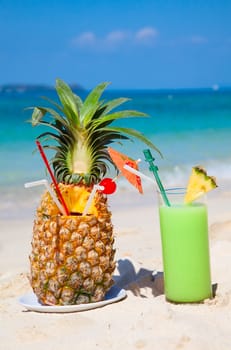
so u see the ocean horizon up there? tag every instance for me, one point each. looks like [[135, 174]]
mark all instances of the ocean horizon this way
[[189, 126]]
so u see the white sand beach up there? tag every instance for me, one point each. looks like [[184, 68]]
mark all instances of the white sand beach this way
[[144, 319]]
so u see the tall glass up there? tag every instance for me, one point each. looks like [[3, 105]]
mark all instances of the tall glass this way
[[185, 248]]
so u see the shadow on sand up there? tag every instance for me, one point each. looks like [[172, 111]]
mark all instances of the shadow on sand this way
[[138, 280], [141, 281]]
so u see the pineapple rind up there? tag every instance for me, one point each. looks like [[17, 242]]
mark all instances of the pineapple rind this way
[[72, 259]]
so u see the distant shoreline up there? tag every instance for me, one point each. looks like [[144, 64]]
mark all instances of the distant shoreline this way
[[17, 89], [23, 88]]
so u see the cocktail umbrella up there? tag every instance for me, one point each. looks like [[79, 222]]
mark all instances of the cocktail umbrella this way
[[154, 169], [120, 159]]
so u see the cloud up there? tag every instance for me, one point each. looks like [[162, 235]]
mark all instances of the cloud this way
[[146, 35], [84, 39], [191, 40], [114, 39], [198, 39], [117, 36]]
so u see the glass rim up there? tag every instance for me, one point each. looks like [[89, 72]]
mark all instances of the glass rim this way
[[173, 190]]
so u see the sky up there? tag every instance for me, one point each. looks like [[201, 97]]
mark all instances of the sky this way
[[134, 44]]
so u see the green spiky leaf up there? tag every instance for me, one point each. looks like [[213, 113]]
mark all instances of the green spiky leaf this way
[[91, 103], [71, 102], [82, 131]]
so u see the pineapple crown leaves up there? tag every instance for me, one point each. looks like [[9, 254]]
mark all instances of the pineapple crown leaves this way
[[81, 132]]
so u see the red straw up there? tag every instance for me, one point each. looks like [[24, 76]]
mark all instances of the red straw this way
[[52, 176]]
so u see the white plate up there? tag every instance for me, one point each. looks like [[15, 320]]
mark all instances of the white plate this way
[[30, 302]]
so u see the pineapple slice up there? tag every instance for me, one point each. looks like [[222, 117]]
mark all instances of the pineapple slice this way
[[199, 183]]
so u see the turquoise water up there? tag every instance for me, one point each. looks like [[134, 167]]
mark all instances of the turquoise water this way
[[190, 127]]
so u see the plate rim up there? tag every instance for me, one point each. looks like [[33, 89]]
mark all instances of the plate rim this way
[[118, 295]]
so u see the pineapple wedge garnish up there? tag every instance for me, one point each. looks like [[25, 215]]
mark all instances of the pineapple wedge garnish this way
[[199, 183]]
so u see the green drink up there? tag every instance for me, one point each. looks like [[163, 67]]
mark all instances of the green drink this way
[[185, 250]]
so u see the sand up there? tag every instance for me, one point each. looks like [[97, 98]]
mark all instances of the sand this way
[[144, 320]]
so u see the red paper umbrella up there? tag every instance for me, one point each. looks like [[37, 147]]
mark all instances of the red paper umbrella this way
[[120, 159]]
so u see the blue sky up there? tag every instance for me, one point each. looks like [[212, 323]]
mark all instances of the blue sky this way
[[134, 44]]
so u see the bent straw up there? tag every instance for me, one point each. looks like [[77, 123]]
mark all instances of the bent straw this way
[[149, 158], [52, 177], [138, 173], [95, 188], [45, 183]]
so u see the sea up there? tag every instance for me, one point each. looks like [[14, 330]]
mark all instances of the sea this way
[[189, 126]]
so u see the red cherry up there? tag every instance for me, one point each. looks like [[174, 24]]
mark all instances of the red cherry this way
[[131, 164], [109, 185]]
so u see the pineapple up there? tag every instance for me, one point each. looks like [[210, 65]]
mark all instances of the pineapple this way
[[72, 257], [199, 183]]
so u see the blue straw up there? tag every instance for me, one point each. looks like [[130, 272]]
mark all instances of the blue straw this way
[[154, 169]]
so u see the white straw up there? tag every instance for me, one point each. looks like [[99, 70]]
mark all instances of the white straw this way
[[44, 182], [95, 188], [138, 173]]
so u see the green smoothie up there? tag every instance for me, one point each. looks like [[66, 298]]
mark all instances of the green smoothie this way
[[185, 250]]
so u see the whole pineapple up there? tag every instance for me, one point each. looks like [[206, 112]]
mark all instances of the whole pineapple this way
[[72, 258]]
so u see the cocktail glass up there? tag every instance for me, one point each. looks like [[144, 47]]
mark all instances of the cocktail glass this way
[[185, 248]]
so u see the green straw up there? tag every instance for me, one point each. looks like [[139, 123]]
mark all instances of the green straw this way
[[149, 158]]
